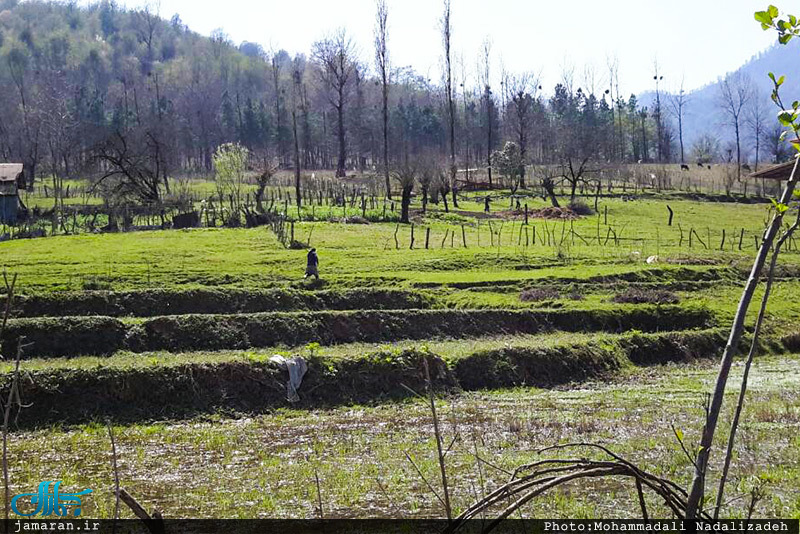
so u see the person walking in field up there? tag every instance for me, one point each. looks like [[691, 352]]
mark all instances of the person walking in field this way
[[312, 264]]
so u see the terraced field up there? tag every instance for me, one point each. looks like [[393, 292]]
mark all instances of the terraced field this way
[[526, 347]]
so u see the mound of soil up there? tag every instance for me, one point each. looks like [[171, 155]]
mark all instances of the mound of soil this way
[[637, 295], [537, 294], [551, 212]]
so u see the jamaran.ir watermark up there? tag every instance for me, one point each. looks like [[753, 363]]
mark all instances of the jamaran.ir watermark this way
[[49, 500]]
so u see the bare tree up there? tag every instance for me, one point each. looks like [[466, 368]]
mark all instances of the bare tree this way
[[296, 89], [275, 64], [406, 174], [522, 93], [660, 137], [147, 21], [677, 103], [59, 132], [29, 145], [735, 94], [134, 166], [382, 63], [613, 70], [466, 134], [778, 148], [336, 55], [359, 139], [756, 121], [488, 104], [451, 108]]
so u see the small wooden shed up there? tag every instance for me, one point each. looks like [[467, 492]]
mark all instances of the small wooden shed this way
[[11, 179], [782, 171]]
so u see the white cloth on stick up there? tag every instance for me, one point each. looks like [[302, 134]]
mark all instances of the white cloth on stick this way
[[297, 368]]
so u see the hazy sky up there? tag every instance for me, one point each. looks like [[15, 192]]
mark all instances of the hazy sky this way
[[698, 40]]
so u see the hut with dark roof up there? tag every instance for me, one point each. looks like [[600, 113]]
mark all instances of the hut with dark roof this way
[[11, 179], [780, 172]]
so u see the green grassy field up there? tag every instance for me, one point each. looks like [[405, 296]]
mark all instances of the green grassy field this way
[[230, 456], [354, 252]]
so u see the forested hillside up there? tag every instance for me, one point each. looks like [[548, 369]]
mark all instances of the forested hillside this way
[[705, 118], [102, 91]]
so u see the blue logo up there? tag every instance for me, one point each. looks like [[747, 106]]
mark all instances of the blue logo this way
[[49, 501]]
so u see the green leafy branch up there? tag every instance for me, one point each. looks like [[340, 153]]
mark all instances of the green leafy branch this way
[[787, 28]]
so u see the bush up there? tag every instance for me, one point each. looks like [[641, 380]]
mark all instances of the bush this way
[[537, 294], [645, 296], [579, 207], [94, 283]]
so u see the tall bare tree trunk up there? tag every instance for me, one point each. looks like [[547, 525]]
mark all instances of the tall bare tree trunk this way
[[295, 89], [451, 108], [487, 48], [340, 164], [381, 57]]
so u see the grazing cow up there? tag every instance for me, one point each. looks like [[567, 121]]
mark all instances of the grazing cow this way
[[746, 167], [684, 167], [699, 164], [709, 167]]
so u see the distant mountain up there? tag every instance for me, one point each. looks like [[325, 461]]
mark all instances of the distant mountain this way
[[703, 115]]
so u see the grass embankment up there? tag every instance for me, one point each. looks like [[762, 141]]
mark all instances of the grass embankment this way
[[154, 302], [159, 385], [75, 336], [599, 281]]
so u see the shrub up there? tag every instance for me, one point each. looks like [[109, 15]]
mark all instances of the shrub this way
[[93, 283], [579, 207], [645, 296]]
